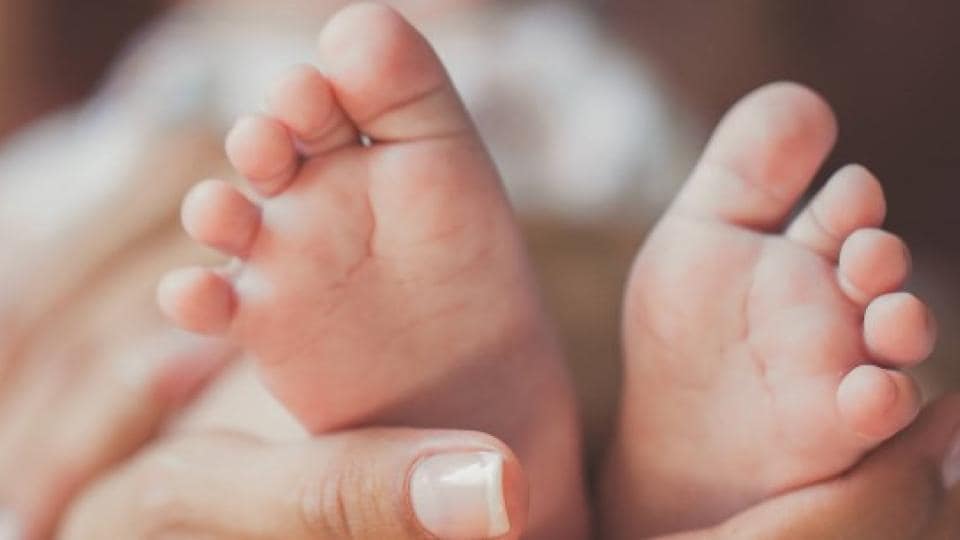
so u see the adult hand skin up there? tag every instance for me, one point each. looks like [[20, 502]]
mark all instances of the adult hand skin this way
[[373, 483], [356, 485], [88, 371], [206, 482], [907, 489], [94, 401], [65, 418]]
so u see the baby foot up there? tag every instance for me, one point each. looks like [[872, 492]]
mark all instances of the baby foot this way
[[379, 276], [761, 360]]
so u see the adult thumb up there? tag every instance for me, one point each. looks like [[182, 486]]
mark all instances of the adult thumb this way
[[372, 483]]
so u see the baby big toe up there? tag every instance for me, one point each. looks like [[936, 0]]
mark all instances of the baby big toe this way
[[899, 329], [389, 81], [876, 403], [197, 299], [262, 150], [872, 262], [761, 158], [218, 215]]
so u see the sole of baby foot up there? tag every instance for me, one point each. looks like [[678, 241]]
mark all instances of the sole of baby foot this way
[[761, 355], [379, 277]]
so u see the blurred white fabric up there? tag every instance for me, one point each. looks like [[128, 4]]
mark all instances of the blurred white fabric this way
[[579, 127]]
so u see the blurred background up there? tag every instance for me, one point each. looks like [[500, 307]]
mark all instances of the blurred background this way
[[594, 111]]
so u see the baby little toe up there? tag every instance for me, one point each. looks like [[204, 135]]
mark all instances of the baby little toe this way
[[197, 299], [877, 403]]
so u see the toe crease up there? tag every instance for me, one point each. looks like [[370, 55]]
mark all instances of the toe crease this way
[[818, 223], [756, 358], [436, 91]]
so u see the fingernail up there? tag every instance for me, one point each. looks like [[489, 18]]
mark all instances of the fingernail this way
[[9, 525], [951, 463], [459, 496]]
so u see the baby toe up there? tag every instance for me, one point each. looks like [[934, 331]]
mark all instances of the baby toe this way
[[304, 101], [876, 403], [263, 151], [899, 329], [852, 199], [872, 262], [197, 299], [216, 214]]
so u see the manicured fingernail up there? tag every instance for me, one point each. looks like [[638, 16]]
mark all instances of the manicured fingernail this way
[[459, 496], [9, 525], [951, 463]]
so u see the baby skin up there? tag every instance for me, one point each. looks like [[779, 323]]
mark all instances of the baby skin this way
[[378, 277], [761, 355]]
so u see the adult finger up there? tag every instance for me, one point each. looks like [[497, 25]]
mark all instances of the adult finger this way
[[376, 483], [908, 489]]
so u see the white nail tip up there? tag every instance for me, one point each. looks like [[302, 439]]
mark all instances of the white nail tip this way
[[9, 525], [459, 496]]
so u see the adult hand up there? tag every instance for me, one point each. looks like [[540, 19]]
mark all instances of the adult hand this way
[[87, 372], [373, 483], [905, 490], [67, 414], [84, 391]]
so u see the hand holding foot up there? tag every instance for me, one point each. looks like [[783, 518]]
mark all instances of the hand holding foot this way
[[381, 279], [398, 484], [906, 489]]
